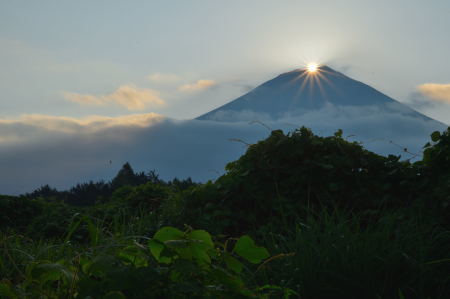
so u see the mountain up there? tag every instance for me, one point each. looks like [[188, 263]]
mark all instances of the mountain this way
[[61, 151], [300, 91]]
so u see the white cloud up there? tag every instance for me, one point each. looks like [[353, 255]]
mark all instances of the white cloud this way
[[197, 86], [64, 124], [439, 92], [128, 96]]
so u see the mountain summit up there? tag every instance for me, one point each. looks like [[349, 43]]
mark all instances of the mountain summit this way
[[300, 91]]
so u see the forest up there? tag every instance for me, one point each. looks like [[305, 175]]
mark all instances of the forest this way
[[297, 216]]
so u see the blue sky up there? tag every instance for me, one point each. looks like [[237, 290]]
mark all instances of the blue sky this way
[[196, 55]]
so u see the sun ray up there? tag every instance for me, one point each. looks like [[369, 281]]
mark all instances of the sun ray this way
[[313, 77], [312, 67]]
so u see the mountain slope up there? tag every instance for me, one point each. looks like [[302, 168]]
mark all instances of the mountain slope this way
[[300, 91]]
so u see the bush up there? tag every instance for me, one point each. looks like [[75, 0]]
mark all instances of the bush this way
[[277, 177], [18, 212]]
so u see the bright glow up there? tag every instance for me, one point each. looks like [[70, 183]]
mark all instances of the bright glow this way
[[312, 67]]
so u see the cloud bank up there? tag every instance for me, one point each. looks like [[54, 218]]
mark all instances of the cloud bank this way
[[128, 96], [439, 92], [89, 124], [197, 86], [63, 151]]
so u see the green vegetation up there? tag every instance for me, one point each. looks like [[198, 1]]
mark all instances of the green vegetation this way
[[297, 215]]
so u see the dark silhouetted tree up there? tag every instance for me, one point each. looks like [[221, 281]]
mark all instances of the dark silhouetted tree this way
[[125, 176], [44, 191], [89, 193]]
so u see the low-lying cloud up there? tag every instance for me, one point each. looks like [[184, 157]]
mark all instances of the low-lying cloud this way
[[197, 86], [63, 151], [89, 124], [439, 92], [128, 96]]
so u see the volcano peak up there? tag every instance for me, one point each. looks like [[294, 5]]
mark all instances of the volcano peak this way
[[300, 91]]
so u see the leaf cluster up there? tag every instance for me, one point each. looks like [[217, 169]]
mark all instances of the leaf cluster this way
[[172, 264]]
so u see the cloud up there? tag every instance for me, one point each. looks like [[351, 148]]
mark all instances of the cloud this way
[[197, 86], [439, 92], [63, 151], [160, 78], [128, 96], [71, 125]]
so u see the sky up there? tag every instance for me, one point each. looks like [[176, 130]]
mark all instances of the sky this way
[[184, 58], [86, 86]]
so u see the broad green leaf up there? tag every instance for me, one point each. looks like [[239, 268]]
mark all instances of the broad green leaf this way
[[177, 243], [233, 264], [168, 233], [246, 248], [201, 244], [184, 253], [133, 255], [201, 253], [203, 236], [156, 248]]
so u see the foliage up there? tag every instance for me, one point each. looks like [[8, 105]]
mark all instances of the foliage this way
[[278, 176], [44, 191], [127, 177], [88, 193], [18, 212], [91, 193], [173, 264], [434, 171], [148, 196], [340, 220]]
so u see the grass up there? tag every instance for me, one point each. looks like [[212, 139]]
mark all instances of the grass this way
[[324, 254], [108, 259], [337, 255]]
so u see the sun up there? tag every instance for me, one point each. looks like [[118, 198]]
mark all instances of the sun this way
[[312, 67]]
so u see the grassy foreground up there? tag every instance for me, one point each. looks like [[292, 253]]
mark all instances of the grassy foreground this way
[[297, 216]]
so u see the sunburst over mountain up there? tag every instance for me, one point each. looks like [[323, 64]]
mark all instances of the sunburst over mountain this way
[[301, 91], [324, 100]]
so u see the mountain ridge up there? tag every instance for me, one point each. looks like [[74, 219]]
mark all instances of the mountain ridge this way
[[299, 91]]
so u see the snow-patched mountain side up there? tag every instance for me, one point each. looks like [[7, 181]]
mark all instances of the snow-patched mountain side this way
[[298, 92]]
